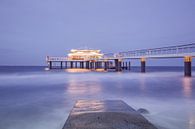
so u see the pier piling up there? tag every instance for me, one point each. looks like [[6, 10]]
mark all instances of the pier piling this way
[[50, 64], [129, 65], [117, 65], [87, 64], [143, 65], [105, 65], [71, 64], [61, 64], [126, 65], [187, 66], [75, 64]]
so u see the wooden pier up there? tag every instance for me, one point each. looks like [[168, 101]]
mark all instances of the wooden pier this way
[[108, 114], [122, 60]]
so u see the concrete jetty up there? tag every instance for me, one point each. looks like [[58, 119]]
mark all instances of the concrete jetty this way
[[107, 114]]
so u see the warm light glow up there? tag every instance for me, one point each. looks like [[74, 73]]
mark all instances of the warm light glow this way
[[77, 70], [84, 54], [191, 121], [143, 59], [188, 59], [77, 88], [100, 70]]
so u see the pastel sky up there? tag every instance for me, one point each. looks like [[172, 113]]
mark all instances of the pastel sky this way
[[33, 29]]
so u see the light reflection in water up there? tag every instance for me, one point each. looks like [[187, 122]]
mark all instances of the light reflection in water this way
[[168, 98], [187, 86], [192, 121], [77, 70], [77, 87], [100, 70]]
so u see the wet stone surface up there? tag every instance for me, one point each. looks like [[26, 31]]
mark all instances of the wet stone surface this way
[[108, 114]]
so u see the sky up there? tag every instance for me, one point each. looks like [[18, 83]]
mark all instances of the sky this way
[[32, 29]]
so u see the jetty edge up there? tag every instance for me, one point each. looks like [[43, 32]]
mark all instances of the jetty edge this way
[[105, 114]]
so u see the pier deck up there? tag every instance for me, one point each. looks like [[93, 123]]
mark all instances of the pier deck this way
[[122, 60], [108, 114]]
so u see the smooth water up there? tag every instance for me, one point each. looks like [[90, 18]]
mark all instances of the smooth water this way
[[32, 98]]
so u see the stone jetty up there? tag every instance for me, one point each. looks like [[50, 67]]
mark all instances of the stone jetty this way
[[107, 114]]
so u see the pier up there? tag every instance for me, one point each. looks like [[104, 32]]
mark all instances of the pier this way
[[107, 114], [122, 60]]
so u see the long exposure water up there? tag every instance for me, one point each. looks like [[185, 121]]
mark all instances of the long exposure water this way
[[32, 98]]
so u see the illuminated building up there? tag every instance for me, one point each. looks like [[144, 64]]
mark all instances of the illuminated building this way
[[84, 54]]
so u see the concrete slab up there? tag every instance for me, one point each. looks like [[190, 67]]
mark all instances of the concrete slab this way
[[107, 114]]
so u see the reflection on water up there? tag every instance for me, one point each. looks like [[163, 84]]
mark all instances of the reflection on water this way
[[100, 70], [42, 99], [192, 121], [77, 70], [187, 86], [76, 87]]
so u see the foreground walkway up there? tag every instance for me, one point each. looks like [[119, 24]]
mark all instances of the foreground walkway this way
[[108, 114]]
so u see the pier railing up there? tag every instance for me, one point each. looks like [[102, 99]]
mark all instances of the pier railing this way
[[59, 59], [52, 58], [171, 51]]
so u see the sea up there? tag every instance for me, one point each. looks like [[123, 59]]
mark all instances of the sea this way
[[34, 98]]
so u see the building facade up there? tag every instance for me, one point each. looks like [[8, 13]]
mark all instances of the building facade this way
[[84, 54]]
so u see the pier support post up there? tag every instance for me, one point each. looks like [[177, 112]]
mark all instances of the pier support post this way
[[123, 65], [50, 64], [129, 65], [61, 64], [65, 64], [126, 65], [91, 65], [83, 65], [187, 66], [80, 64], [87, 64], [117, 65], [71, 64], [105, 65], [108, 64], [76, 64], [101, 64], [96, 64], [143, 65]]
